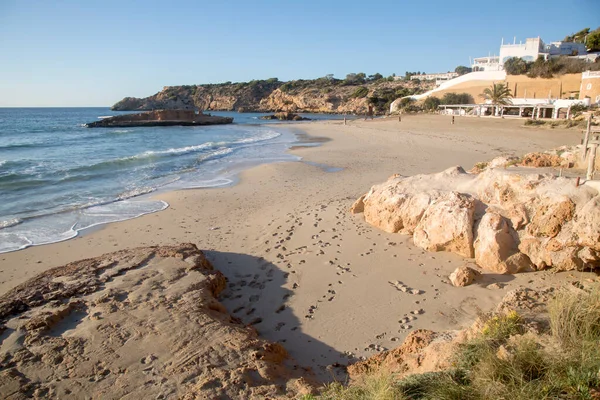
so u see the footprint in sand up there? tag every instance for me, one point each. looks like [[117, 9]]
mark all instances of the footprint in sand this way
[[403, 288], [254, 298], [279, 326]]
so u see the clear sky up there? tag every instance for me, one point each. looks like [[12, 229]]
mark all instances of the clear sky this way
[[93, 53]]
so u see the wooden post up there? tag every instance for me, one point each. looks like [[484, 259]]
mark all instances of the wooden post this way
[[592, 162], [586, 138], [453, 120], [399, 118]]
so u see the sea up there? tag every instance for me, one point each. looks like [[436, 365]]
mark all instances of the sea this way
[[59, 178]]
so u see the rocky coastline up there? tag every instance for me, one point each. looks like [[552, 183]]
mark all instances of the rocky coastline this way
[[285, 116], [327, 96]]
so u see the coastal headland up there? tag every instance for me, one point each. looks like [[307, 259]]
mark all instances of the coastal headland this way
[[302, 270]]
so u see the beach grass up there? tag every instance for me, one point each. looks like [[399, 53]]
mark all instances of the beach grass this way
[[506, 361]]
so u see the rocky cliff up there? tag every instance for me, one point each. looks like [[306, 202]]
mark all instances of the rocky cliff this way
[[320, 96]]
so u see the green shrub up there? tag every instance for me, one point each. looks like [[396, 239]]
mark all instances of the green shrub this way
[[360, 92], [457, 98], [431, 103]]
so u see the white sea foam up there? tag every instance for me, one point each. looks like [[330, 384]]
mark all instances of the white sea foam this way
[[267, 135], [217, 153], [135, 192], [179, 150], [9, 223], [63, 226]]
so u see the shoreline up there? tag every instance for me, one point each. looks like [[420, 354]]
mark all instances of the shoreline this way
[[285, 240], [228, 176]]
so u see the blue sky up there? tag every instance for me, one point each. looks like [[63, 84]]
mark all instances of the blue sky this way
[[93, 53]]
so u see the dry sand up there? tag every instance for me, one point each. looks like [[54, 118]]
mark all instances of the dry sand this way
[[300, 267]]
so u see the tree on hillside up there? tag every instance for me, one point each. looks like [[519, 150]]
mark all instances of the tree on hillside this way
[[457, 98], [375, 77], [356, 79], [462, 70], [578, 37], [431, 103], [593, 41], [498, 94], [516, 66]]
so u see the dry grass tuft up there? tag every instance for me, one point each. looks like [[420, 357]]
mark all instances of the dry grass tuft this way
[[506, 362]]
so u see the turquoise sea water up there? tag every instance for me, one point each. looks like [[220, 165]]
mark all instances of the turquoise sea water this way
[[58, 177]]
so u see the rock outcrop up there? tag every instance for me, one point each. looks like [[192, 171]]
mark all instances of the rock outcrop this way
[[160, 118], [463, 276], [286, 116], [141, 323], [447, 225], [509, 222]]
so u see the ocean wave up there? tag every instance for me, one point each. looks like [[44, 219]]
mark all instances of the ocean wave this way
[[16, 146], [134, 193], [16, 182], [10, 222], [267, 135], [178, 150], [223, 151]]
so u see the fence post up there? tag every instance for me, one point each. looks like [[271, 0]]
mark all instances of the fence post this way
[[586, 138], [592, 162]]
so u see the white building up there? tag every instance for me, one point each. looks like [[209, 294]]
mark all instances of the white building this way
[[531, 50], [490, 63], [438, 77]]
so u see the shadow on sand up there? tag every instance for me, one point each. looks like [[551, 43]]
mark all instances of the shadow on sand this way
[[256, 294]]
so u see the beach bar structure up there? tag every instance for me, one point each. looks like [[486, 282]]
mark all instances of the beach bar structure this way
[[531, 108]]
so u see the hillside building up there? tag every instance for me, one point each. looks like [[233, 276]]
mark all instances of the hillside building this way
[[439, 78], [531, 50]]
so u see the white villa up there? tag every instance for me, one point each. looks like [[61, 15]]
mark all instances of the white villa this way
[[528, 51], [439, 78]]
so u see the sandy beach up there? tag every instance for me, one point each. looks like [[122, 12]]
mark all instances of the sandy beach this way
[[302, 269]]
